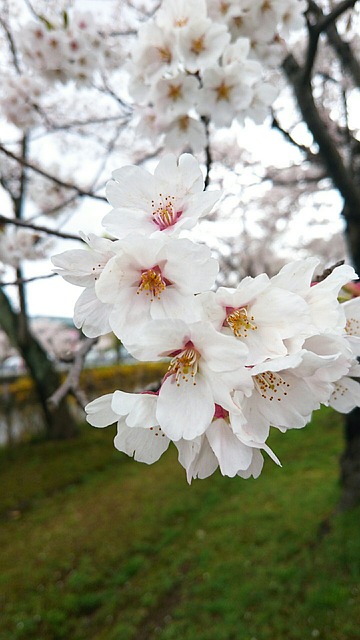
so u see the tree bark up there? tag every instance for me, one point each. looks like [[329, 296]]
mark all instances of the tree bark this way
[[350, 458], [347, 182], [59, 424]]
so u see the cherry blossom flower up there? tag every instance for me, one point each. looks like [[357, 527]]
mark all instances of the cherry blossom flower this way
[[270, 321], [170, 200], [156, 51], [352, 326], [176, 95], [326, 313], [152, 279], [204, 367], [346, 394], [21, 100], [224, 94], [138, 433], [221, 447], [83, 267], [185, 132], [19, 244], [178, 14], [202, 43], [280, 396]]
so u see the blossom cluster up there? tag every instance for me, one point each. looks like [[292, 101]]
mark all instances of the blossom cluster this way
[[70, 48], [21, 100], [17, 244], [209, 58], [240, 360]]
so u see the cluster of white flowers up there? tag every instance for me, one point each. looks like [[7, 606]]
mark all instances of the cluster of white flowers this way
[[70, 49], [209, 58], [267, 352], [21, 100], [49, 197], [17, 245]]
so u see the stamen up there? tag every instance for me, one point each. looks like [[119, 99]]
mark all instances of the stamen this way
[[224, 7], [152, 282], [185, 365], [184, 122], [175, 91], [165, 214], [271, 385], [223, 91], [197, 45], [165, 54], [97, 269], [181, 22], [352, 327], [240, 322], [339, 391]]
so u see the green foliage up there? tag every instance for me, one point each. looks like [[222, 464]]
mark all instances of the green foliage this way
[[96, 381], [98, 547]]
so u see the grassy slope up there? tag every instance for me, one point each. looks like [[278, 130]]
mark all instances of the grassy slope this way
[[95, 546]]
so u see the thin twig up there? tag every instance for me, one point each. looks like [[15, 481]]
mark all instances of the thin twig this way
[[11, 42], [26, 280], [61, 183], [287, 135], [324, 21], [71, 384], [38, 228]]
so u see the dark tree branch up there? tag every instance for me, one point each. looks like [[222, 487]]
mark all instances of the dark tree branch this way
[[11, 42], [81, 192], [342, 49], [26, 280], [38, 228], [323, 23], [330, 155], [208, 156], [310, 155]]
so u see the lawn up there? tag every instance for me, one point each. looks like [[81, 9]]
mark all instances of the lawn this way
[[95, 546]]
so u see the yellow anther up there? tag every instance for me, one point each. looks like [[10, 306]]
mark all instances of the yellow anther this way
[[240, 322]]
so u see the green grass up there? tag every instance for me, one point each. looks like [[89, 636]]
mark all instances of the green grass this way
[[95, 546]]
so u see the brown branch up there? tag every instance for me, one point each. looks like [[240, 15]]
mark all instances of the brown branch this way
[[38, 228], [328, 271], [331, 17], [11, 42], [81, 192], [27, 280], [330, 155], [324, 22], [314, 157], [342, 48], [71, 384]]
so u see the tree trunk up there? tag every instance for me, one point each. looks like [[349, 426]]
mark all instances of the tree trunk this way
[[350, 459], [345, 179], [59, 424]]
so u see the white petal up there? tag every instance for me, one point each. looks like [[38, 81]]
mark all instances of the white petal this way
[[91, 315], [232, 454], [100, 413], [146, 445], [185, 411]]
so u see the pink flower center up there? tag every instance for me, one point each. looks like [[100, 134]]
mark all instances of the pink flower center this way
[[239, 321], [152, 282], [220, 412], [165, 214], [184, 365]]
